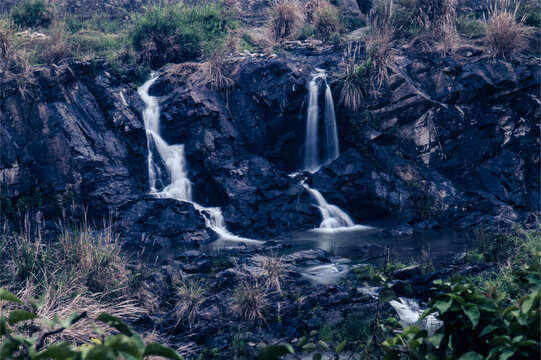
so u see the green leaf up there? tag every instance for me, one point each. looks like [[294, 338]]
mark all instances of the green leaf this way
[[313, 333], [472, 312], [8, 296], [302, 341], [124, 344], [456, 297], [527, 303], [443, 306], [435, 340], [323, 345], [309, 347], [4, 329], [8, 347], [160, 350], [19, 315], [509, 309], [507, 353], [472, 355], [116, 323], [274, 352], [340, 347], [100, 352], [60, 351], [317, 356], [387, 295], [488, 329]]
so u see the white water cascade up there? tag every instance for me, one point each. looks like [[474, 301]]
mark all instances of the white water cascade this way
[[180, 187], [314, 156], [332, 216]]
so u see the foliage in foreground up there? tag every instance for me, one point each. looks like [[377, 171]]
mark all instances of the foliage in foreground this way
[[125, 344], [476, 326]]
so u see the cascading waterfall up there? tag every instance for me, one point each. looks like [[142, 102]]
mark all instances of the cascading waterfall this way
[[312, 147], [180, 187], [333, 217]]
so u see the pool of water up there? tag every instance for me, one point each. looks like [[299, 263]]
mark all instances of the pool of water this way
[[363, 244]]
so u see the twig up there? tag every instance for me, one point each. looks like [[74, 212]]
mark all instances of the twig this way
[[44, 334]]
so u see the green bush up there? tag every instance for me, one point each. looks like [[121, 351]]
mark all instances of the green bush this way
[[177, 33], [476, 326], [126, 344], [32, 14]]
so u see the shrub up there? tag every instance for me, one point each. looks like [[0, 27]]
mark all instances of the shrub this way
[[327, 22], [32, 14], [476, 326], [505, 36], [177, 33], [286, 17]]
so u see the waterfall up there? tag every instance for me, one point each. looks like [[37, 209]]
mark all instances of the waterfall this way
[[174, 160], [332, 216], [312, 148]]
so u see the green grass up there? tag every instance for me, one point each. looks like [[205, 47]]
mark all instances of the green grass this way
[[32, 14], [177, 33]]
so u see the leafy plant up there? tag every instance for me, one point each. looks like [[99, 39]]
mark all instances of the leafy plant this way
[[476, 326], [126, 343]]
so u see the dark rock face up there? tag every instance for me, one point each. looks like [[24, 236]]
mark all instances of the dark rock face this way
[[448, 142], [454, 141], [74, 138]]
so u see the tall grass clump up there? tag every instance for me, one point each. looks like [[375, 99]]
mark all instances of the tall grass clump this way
[[190, 296], [506, 36], [286, 17], [327, 22], [8, 45], [380, 46], [178, 33], [353, 83], [33, 14], [251, 300], [274, 271]]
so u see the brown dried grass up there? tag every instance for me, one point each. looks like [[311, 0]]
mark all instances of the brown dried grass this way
[[286, 16]]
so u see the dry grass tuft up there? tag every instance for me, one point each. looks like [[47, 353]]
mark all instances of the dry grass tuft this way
[[190, 294], [251, 299], [59, 300], [217, 72], [274, 271], [380, 47], [286, 17], [505, 36], [97, 255], [55, 48]]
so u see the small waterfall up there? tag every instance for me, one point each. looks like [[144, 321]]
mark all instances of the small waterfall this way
[[312, 148], [174, 160], [332, 216]]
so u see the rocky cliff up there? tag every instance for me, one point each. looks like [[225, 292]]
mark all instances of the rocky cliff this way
[[449, 143]]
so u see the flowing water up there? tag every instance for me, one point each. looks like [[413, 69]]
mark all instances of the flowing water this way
[[316, 152], [333, 218], [174, 160]]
